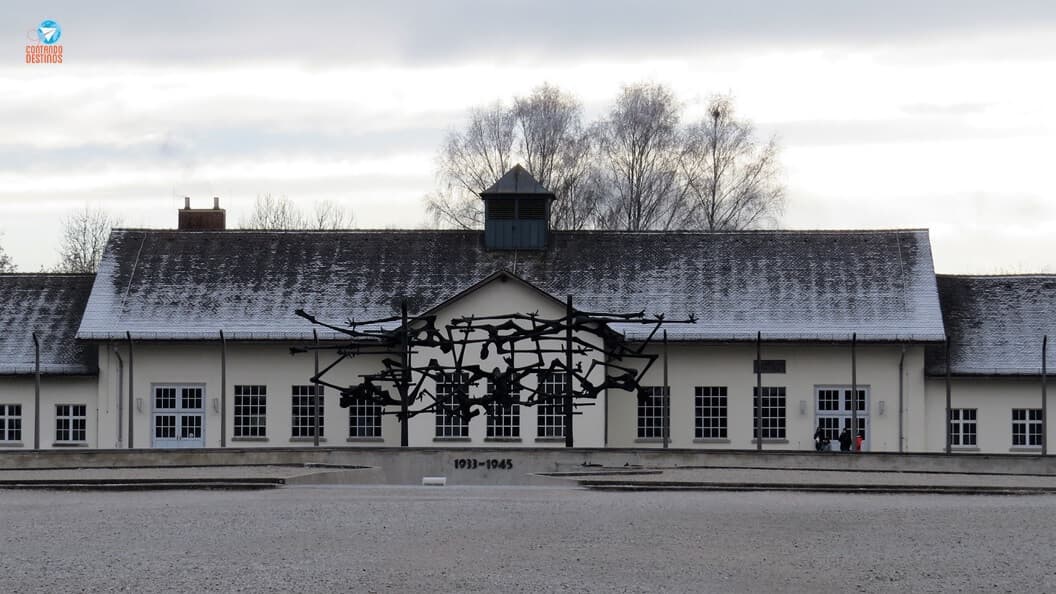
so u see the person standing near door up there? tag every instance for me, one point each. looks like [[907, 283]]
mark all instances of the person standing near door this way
[[845, 440], [858, 442], [820, 441]]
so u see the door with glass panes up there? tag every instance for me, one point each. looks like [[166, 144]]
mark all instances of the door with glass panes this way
[[834, 414], [178, 416]]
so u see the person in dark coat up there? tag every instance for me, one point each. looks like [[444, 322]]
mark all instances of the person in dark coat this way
[[845, 440], [820, 441]]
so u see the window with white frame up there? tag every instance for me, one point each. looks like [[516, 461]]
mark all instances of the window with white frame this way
[[302, 413], [364, 419], [251, 411], [1026, 427], [71, 422], [449, 419], [10, 422], [504, 421], [551, 414], [772, 414], [710, 412], [651, 413], [963, 426]]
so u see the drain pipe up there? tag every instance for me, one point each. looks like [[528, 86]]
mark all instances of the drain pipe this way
[[36, 393], [131, 389], [120, 393], [901, 405], [223, 390]]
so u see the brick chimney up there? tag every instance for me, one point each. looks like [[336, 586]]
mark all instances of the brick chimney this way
[[202, 219]]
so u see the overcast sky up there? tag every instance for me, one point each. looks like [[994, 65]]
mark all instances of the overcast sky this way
[[914, 114]]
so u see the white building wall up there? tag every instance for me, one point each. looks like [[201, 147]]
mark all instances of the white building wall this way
[[197, 363], [54, 390], [993, 399], [807, 367]]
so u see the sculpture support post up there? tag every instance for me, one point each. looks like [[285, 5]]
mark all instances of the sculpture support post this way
[[316, 388], [405, 375], [570, 314]]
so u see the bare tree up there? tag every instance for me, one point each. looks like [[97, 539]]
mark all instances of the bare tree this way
[[470, 161], [559, 153], [544, 131], [84, 235], [6, 265], [281, 213], [636, 169], [270, 212], [641, 148], [329, 215], [732, 178]]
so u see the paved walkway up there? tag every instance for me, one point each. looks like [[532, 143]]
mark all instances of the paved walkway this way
[[810, 480], [745, 479], [160, 477]]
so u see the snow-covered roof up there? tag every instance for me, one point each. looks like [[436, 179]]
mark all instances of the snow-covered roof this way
[[996, 324], [50, 305], [790, 285]]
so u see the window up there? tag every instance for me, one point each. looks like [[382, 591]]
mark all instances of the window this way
[[504, 421], [10, 422], [165, 398], [551, 413], [1026, 427], [773, 412], [71, 422], [251, 411], [364, 419], [828, 399], [303, 418], [651, 413], [962, 426], [710, 408], [449, 421], [860, 404]]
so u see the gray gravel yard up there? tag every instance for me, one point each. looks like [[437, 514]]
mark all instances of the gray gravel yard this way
[[492, 539]]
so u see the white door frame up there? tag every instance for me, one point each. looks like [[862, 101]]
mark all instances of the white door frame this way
[[842, 412], [182, 413]]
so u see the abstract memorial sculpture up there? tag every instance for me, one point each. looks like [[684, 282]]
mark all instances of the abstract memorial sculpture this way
[[498, 361]]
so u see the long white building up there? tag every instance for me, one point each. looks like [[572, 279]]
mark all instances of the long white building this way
[[182, 339]]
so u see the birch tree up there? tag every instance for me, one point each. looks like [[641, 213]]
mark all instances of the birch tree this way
[[640, 151], [732, 178], [84, 235]]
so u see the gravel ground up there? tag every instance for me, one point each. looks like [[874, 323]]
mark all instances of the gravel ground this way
[[492, 539]]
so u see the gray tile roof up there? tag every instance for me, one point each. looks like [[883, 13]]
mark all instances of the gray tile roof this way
[[517, 181], [50, 305], [996, 324], [791, 285]]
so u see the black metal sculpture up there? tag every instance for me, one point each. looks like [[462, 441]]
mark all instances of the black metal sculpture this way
[[527, 345]]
